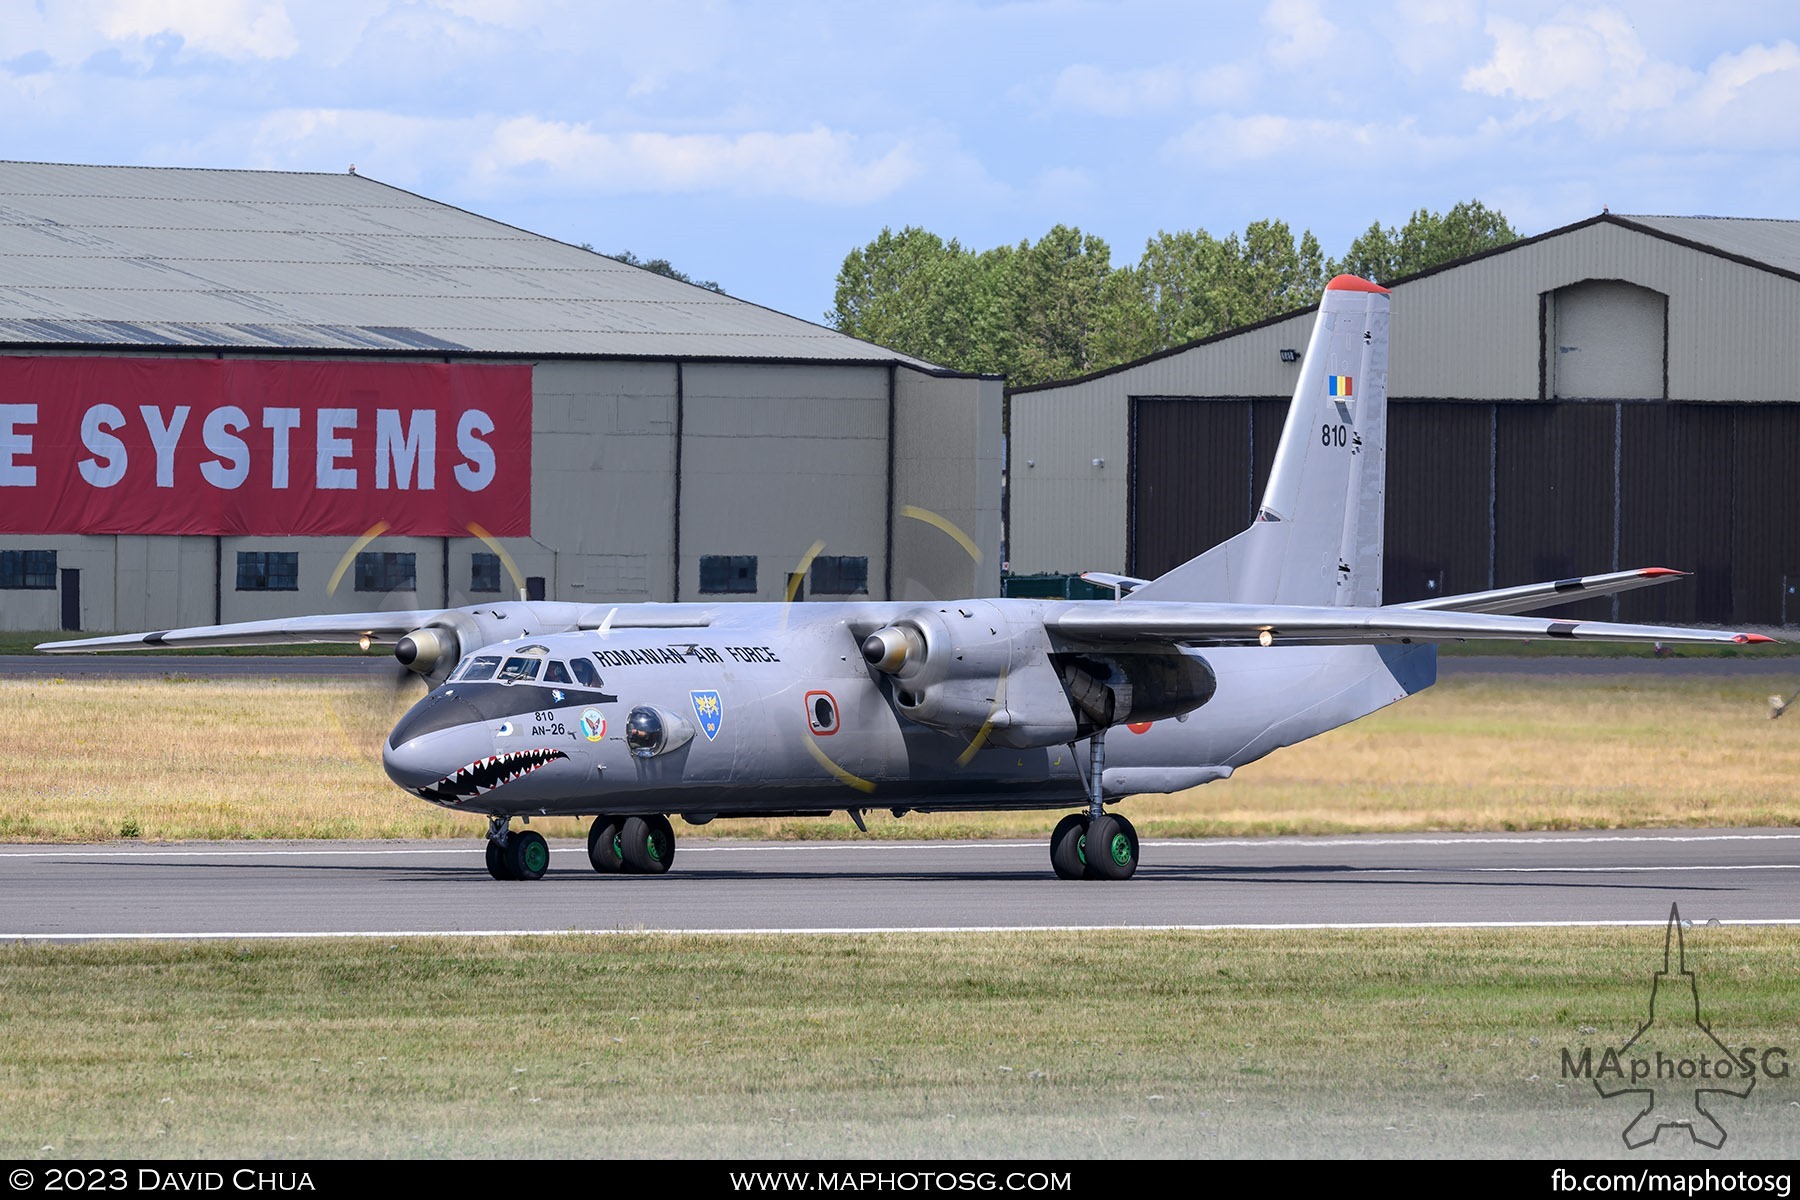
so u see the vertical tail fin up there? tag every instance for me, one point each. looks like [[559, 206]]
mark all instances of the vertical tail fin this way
[[1317, 537]]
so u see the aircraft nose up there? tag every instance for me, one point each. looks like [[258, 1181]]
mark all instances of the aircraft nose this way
[[437, 736]]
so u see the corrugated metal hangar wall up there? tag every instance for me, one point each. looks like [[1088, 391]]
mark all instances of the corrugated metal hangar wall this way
[[1623, 392], [217, 384]]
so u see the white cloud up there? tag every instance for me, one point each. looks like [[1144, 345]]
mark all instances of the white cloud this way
[[1303, 33], [234, 29], [1088, 88], [1731, 75], [1587, 65], [820, 165], [1142, 90], [1591, 68], [1223, 140], [1428, 34]]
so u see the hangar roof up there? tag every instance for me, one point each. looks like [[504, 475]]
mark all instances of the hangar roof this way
[[281, 260], [1764, 241]]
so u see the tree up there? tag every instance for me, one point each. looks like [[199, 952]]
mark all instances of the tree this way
[[1427, 240], [913, 292], [659, 266], [1057, 308], [1058, 304]]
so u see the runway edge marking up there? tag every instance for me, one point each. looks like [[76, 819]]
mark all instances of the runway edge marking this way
[[850, 931]]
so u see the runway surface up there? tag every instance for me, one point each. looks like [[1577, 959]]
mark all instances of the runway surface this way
[[408, 888]]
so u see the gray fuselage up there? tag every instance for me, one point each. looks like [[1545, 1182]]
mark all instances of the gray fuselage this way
[[769, 709]]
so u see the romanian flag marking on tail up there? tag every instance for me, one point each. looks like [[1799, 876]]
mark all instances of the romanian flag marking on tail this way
[[1337, 385]]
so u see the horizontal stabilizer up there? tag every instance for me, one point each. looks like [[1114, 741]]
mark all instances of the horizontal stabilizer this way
[[1531, 596], [1201, 624], [1120, 584]]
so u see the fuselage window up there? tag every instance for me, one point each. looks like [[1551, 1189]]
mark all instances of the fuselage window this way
[[557, 672], [480, 667], [520, 670], [585, 673]]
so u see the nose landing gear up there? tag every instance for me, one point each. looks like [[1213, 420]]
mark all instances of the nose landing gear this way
[[515, 856]]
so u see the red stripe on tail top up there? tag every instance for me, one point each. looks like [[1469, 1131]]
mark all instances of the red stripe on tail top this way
[[1354, 283]]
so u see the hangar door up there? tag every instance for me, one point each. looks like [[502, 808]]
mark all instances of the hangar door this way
[[1605, 340], [1198, 467]]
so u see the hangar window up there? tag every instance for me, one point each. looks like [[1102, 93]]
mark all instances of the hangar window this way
[[386, 571], [484, 572], [268, 571], [840, 575], [27, 568], [728, 573]]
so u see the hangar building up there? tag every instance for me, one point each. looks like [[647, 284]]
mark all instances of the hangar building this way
[[1620, 392], [232, 395]]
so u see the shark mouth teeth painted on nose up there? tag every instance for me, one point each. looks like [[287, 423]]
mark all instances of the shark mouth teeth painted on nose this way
[[485, 774]]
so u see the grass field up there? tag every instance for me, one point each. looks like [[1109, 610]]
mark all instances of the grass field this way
[[89, 760], [1364, 1043]]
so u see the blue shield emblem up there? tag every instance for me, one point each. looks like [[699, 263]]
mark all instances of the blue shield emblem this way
[[710, 711]]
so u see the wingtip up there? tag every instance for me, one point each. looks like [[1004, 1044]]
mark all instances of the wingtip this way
[[1752, 639], [1354, 283]]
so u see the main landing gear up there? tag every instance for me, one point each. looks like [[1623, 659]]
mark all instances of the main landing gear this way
[[628, 845], [1095, 844], [633, 845]]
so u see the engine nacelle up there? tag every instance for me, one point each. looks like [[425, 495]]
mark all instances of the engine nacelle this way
[[976, 666], [1115, 687], [424, 650], [949, 665], [434, 649]]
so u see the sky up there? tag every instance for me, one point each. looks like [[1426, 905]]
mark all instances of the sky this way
[[757, 143]]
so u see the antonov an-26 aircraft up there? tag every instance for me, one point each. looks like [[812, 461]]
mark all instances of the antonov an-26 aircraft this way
[[628, 713]]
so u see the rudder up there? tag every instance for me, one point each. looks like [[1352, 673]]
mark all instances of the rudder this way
[[1317, 537]]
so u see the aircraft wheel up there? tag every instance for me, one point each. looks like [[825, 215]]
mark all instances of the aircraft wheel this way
[[496, 861], [1112, 848], [527, 855], [604, 850], [1066, 847], [648, 844]]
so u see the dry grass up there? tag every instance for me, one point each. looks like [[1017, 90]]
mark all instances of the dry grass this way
[[300, 759], [1365, 1043]]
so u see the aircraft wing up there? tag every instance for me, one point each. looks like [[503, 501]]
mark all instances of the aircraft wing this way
[[1203, 624], [331, 627], [1544, 595]]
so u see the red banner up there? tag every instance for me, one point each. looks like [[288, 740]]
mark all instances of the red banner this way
[[263, 448]]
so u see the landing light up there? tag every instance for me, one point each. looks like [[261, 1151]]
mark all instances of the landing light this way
[[363, 642], [1265, 638]]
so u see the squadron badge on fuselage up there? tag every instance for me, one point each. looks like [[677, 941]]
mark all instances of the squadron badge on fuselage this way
[[710, 711]]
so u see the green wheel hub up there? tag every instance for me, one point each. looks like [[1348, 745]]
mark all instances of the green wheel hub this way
[[536, 855]]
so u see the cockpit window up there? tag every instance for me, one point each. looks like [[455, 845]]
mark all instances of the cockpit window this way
[[585, 673], [480, 667], [557, 672], [520, 669]]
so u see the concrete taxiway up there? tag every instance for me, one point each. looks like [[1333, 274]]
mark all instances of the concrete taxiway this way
[[409, 888]]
